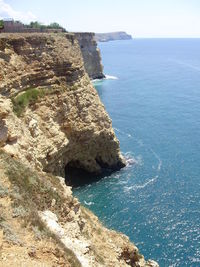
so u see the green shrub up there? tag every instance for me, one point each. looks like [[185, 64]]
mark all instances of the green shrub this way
[[27, 98], [1, 24], [41, 26]]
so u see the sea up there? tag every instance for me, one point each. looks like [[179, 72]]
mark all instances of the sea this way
[[152, 94]]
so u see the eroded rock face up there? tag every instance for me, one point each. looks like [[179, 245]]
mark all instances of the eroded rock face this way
[[91, 55], [69, 123], [31, 60]]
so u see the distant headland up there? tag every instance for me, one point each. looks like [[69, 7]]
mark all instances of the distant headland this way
[[112, 36]]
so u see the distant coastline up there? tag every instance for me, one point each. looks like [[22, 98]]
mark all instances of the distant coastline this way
[[112, 36]]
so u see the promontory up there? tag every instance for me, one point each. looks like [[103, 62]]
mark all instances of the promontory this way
[[112, 36]]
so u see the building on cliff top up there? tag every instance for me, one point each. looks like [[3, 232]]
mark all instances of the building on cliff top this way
[[12, 26], [9, 25]]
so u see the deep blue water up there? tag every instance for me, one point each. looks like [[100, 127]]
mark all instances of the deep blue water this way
[[155, 109]]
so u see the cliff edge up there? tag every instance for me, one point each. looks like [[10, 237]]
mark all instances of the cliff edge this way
[[91, 54], [53, 123]]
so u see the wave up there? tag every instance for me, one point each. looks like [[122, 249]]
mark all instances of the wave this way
[[110, 77], [131, 160], [136, 187], [159, 160], [107, 77], [97, 80], [88, 203], [151, 181], [138, 160], [123, 133]]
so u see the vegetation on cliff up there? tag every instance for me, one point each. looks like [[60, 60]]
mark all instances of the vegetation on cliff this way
[[29, 192], [1, 24], [39, 25], [29, 97]]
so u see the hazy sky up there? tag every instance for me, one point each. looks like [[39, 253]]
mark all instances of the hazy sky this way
[[141, 18]]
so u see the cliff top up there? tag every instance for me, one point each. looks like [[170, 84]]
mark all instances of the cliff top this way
[[89, 33], [117, 32], [39, 34]]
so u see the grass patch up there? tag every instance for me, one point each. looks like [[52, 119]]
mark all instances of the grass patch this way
[[34, 191], [31, 191], [29, 97]]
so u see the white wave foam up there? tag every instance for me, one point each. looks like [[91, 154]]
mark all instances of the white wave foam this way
[[159, 165], [151, 181], [159, 160], [131, 160], [140, 142], [123, 133], [97, 80], [110, 77], [107, 77], [136, 187], [148, 182], [88, 203]]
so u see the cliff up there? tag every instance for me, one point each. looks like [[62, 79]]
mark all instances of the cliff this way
[[62, 120], [91, 55], [112, 36], [53, 123]]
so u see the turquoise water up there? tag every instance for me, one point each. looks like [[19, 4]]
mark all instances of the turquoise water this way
[[155, 108]]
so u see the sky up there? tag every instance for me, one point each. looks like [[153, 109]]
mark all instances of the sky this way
[[140, 18]]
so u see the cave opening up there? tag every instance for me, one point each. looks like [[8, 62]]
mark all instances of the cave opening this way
[[76, 175]]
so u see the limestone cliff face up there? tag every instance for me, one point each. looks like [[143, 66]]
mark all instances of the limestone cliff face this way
[[91, 55], [32, 60], [69, 123]]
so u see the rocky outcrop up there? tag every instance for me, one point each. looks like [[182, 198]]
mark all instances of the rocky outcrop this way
[[91, 54], [32, 60], [112, 36], [67, 124]]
